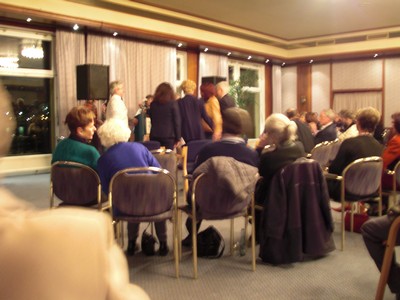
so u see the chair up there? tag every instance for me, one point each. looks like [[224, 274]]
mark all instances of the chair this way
[[151, 145], [334, 149], [387, 258], [167, 159], [222, 189], [297, 220], [145, 194], [75, 184], [393, 192], [360, 181], [189, 155], [321, 153]]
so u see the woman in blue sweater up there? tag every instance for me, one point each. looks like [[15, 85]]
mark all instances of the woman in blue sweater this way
[[121, 154]]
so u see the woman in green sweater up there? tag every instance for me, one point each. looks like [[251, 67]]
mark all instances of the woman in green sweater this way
[[80, 121]]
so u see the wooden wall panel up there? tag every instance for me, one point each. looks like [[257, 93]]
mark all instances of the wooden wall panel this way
[[304, 87], [268, 90], [193, 66]]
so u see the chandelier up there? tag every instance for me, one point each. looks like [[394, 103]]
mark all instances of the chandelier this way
[[10, 62], [32, 49]]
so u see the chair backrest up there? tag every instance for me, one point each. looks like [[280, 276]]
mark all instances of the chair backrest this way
[[167, 160], [193, 149], [74, 183], [142, 192], [334, 148], [396, 171], [321, 153], [223, 187], [151, 145], [362, 177]]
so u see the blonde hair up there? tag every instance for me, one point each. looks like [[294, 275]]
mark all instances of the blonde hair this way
[[188, 86], [113, 131]]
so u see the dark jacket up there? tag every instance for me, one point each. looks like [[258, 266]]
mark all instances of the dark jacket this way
[[297, 219], [305, 136], [226, 102], [190, 118], [329, 133]]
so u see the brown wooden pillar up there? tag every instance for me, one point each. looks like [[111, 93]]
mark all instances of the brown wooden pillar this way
[[304, 87]]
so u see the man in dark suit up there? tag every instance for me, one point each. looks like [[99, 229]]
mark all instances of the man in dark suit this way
[[328, 131], [304, 134], [225, 100]]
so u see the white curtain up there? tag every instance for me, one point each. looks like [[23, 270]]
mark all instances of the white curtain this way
[[212, 65], [69, 52], [355, 101], [140, 66]]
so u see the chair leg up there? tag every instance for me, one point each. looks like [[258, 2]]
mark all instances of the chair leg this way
[[175, 231], [342, 217], [194, 246], [232, 237], [179, 234]]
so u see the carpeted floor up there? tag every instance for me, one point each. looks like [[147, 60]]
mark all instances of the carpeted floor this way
[[350, 274]]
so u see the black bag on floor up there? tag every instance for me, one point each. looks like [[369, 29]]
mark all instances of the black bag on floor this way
[[210, 243], [148, 243]]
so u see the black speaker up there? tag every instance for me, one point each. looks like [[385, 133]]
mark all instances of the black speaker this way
[[213, 79], [92, 82]]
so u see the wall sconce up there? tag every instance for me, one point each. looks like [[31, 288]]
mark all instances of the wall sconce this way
[[303, 99]]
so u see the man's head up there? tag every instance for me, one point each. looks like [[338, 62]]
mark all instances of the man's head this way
[[236, 121], [222, 88], [326, 116], [346, 116], [291, 113], [367, 119]]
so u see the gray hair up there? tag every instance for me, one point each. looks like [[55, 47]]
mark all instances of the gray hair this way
[[113, 131], [279, 129], [224, 86], [113, 85], [329, 113]]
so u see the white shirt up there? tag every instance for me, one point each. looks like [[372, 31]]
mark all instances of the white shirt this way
[[116, 108]]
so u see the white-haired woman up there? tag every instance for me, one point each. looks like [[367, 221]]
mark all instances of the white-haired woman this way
[[121, 154], [282, 149]]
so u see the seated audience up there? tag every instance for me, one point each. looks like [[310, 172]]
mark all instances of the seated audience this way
[[80, 121], [391, 154], [121, 154], [363, 145], [311, 118], [231, 145], [328, 131], [348, 127], [280, 135], [41, 253], [304, 134], [375, 233], [191, 116]]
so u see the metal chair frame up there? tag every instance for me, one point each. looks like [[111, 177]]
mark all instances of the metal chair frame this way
[[393, 193]]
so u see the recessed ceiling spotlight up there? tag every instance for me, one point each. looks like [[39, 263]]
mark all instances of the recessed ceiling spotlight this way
[[206, 49], [229, 53], [249, 57], [76, 27], [283, 64], [375, 55], [311, 61], [28, 20], [180, 45], [115, 33], [267, 61]]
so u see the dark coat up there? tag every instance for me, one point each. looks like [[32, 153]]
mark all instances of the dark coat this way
[[297, 218], [190, 118], [329, 133], [226, 102], [305, 136]]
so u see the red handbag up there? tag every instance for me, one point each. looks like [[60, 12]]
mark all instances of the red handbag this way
[[359, 219]]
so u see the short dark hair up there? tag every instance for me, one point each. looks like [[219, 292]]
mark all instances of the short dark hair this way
[[236, 121], [79, 116], [396, 121], [368, 118]]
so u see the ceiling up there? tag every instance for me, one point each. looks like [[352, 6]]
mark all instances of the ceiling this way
[[292, 20]]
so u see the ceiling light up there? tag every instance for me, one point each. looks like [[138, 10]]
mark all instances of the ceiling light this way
[[375, 55], [28, 20], [10, 62], [115, 33], [32, 49], [283, 64], [206, 49], [249, 57], [267, 61], [180, 45], [229, 53], [76, 27], [311, 61]]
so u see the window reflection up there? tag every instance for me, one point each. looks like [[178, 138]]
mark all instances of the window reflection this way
[[30, 102]]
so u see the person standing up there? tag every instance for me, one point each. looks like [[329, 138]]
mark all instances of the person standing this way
[[116, 107], [213, 110], [165, 117], [225, 100]]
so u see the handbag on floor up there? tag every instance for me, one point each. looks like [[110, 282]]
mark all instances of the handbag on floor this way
[[359, 219], [210, 243], [148, 242]]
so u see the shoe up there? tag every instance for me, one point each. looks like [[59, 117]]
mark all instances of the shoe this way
[[132, 248], [187, 241], [163, 251]]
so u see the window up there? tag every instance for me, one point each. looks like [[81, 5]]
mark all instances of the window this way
[[246, 80], [26, 73]]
